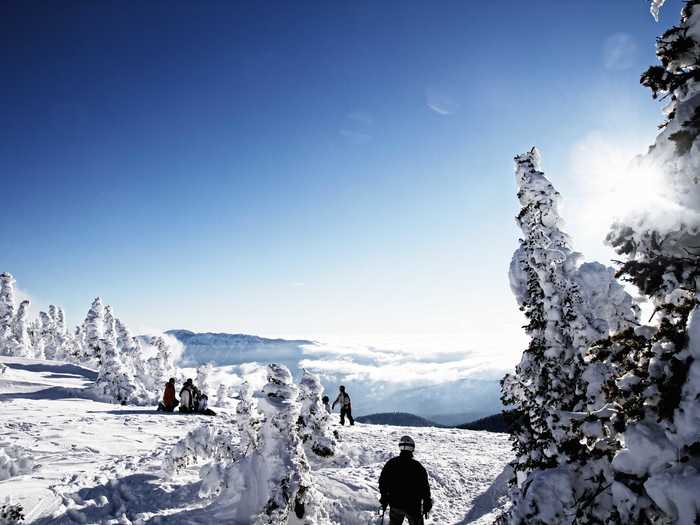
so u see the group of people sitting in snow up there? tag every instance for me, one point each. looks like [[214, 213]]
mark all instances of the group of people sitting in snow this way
[[192, 399]]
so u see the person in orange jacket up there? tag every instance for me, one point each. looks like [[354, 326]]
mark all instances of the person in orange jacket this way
[[169, 401]]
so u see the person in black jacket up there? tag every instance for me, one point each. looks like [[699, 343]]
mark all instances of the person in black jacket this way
[[404, 487], [345, 406]]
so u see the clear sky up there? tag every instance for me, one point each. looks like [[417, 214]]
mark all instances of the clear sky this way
[[307, 168]]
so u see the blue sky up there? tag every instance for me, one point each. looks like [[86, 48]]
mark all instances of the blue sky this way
[[303, 168]]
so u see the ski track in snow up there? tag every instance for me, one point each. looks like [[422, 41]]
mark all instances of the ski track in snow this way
[[101, 463]]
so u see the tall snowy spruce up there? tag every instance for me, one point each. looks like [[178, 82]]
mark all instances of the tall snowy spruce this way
[[114, 383], [7, 308], [204, 373], [160, 367], [568, 305], [314, 425], [271, 483], [93, 331], [656, 382], [21, 331]]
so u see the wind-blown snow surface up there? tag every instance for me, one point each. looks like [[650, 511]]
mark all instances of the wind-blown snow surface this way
[[100, 463]]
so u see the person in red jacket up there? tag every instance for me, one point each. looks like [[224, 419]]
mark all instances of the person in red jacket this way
[[169, 401]]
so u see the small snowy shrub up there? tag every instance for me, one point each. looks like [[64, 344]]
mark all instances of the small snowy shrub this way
[[14, 461], [204, 443], [11, 514]]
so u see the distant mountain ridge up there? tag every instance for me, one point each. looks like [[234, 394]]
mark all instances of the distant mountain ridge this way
[[235, 349], [403, 419], [494, 423], [189, 337]]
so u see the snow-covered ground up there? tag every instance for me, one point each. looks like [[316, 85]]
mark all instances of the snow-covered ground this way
[[74, 460]]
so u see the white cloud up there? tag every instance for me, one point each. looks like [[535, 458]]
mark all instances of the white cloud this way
[[441, 101]]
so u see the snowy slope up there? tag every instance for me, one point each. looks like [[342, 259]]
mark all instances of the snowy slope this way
[[101, 463]]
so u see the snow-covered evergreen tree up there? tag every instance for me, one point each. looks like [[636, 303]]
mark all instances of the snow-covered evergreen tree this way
[[314, 418], [60, 321], [93, 330], [655, 371], [21, 331], [47, 348], [7, 308], [160, 367], [131, 353], [568, 306], [222, 397], [114, 383], [109, 332], [272, 482], [34, 333], [202, 380], [249, 419]]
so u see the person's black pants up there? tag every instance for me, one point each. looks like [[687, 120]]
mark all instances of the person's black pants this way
[[396, 517], [346, 411]]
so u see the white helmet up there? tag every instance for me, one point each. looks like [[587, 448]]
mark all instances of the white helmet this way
[[406, 443]]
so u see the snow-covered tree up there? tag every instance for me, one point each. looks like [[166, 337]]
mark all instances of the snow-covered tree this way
[[653, 377], [314, 418], [109, 332], [94, 330], [34, 334], [7, 306], [114, 383], [272, 482], [47, 349], [60, 321], [249, 419], [568, 306], [203, 375], [160, 367], [11, 513], [131, 353], [20, 331], [222, 395]]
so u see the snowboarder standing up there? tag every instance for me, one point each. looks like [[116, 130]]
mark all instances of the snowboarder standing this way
[[404, 487], [345, 406]]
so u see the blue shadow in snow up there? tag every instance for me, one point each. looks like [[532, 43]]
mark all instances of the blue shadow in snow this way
[[132, 495], [73, 370]]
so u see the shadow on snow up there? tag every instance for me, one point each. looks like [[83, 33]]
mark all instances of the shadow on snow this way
[[129, 496], [73, 370]]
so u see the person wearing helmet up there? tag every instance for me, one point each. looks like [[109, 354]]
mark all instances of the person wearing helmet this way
[[345, 406], [404, 487]]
